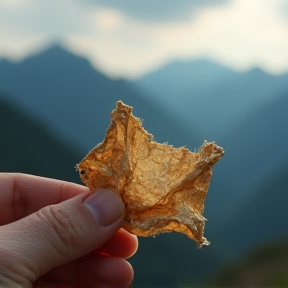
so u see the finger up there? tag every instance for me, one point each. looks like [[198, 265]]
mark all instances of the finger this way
[[23, 194], [91, 270], [60, 233], [122, 244]]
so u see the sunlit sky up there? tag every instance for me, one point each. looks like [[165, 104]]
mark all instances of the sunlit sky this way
[[129, 38]]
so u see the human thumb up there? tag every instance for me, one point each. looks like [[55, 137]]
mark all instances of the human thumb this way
[[58, 234]]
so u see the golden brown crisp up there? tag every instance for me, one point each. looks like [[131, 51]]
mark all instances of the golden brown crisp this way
[[163, 188]]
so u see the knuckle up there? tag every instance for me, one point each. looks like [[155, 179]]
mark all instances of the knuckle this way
[[66, 229]]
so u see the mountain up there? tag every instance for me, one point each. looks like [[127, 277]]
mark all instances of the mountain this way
[[245, 206], [177, 78], [254, 149], [28, 147], [265, 266], [210, 95], [64, 94], [167, 260], [67, 94], [246, 113], [262, 218]]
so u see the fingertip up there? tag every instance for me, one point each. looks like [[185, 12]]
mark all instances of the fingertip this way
[[131, 242], [123, 244], [133, 246], [113, 270]]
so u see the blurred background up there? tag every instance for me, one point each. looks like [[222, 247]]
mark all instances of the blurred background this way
[[193, 70]]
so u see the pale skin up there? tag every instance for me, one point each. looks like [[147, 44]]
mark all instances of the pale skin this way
[[49, 237]]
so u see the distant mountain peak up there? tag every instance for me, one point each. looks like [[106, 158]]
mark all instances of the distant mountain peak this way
[[54, 50], [196, 62], [58, 57], [5, 62], [185, 70], [259, 72]]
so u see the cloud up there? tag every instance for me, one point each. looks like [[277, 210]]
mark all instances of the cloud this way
[[27, 25], [240, 34], [41, 16], [156, 11], [283, 9]]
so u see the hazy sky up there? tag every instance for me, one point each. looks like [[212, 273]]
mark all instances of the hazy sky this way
[[128, 38]]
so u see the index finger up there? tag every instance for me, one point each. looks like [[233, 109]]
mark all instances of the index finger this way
[[22, 194]]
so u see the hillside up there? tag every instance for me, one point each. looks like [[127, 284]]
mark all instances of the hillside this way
[[66, 93], [266, 266], [266, 210], [28, 147], [259, 220], [254, 149], [211, 95]]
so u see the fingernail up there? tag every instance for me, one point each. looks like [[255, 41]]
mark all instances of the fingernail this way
[[105, 206]]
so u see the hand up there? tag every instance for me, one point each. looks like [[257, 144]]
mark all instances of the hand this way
[[50, 229]]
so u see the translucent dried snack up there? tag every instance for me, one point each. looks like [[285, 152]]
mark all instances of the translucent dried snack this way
[[163, 188]]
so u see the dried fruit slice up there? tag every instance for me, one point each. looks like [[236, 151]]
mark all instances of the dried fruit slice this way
[[163, 188]]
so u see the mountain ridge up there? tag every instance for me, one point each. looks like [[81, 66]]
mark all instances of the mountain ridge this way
[[58, 82], [29, 147], [69, 96], [217, 99], [259, 142]]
